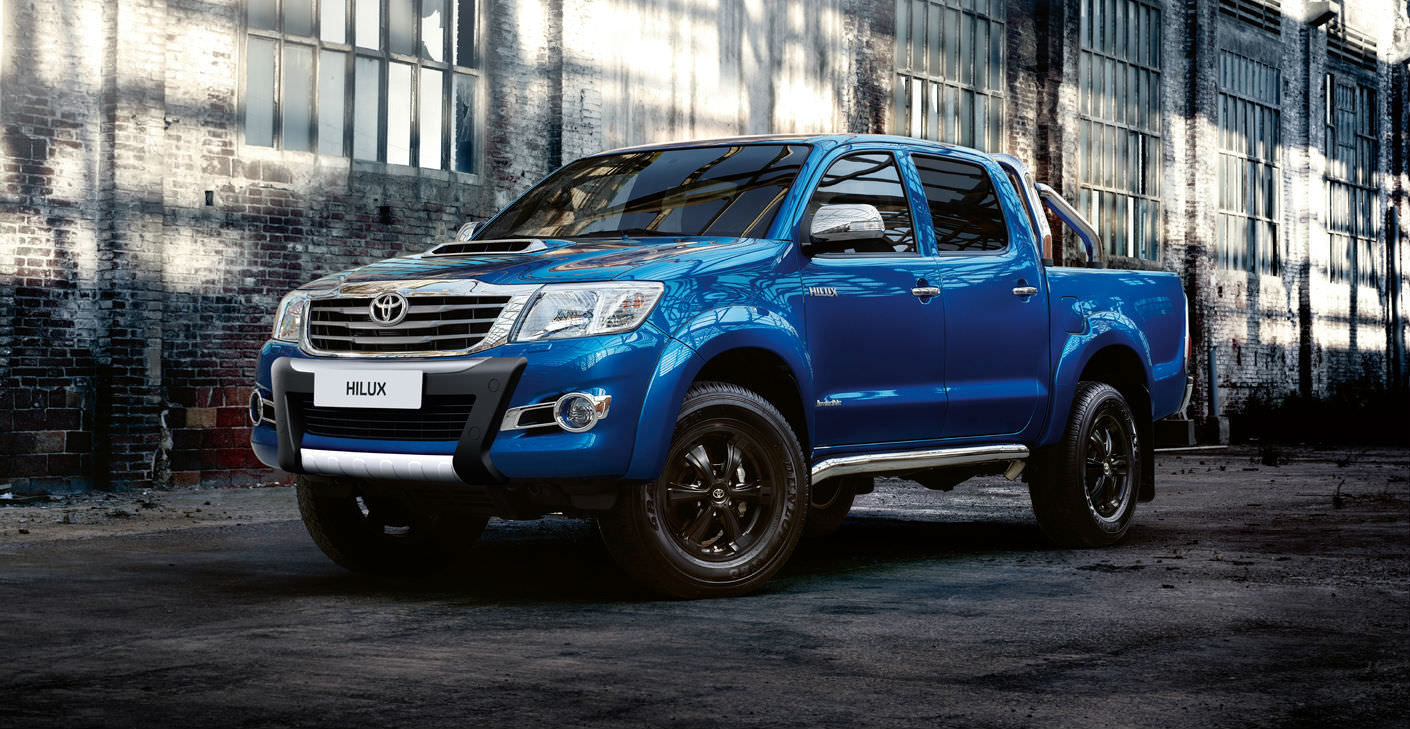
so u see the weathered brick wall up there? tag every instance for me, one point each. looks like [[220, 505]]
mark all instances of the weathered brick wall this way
[[49, 241], [139, 308]]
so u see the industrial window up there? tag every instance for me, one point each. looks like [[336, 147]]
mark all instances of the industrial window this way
[[950, 71], [384, 80], [964, 209], [1246, 236], [1352, 222], [1262, 14], [1119, 124]]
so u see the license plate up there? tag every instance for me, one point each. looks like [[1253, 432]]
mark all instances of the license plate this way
[[393, 389]]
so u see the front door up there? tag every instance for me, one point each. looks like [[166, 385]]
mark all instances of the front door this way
[[875, 328]]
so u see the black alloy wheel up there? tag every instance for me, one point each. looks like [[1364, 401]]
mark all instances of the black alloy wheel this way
[[718, 496], [1108, 466], [1084, 487], [728, 509]]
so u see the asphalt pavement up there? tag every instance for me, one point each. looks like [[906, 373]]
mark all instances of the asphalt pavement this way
[[1248, 594]]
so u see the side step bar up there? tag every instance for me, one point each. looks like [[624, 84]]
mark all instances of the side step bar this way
[[900, 461]]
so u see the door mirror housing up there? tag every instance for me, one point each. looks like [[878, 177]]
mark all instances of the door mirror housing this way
[[466, 231], [846, 223]]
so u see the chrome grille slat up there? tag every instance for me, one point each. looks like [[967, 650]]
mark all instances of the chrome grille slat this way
[[408, 324], [393, 340], [433, 323], [416, 307]]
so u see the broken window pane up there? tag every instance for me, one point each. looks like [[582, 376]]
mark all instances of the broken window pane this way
[[464, 29], [463, 124], [259, 92], [433, 29]]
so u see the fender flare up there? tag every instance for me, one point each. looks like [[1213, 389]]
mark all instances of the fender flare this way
[[1105, 330], [689, 350]]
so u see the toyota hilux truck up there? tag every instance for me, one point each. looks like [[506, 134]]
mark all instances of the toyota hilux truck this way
[[711, 348]]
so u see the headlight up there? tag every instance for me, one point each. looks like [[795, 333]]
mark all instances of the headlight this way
[[586, 310], [290, 319]]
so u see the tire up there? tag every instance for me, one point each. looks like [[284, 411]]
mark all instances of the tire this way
[[382, 535], [706, 528], [1084, 488], [829, 504]]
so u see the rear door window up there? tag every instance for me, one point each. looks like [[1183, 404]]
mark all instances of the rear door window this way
[[964, 208]]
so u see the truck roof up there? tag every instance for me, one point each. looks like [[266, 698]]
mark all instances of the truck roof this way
[[821, 140]]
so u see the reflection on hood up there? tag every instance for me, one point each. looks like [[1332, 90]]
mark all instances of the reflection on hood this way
[[563, 261]]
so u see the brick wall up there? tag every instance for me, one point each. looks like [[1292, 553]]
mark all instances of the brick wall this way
[[144, 246]]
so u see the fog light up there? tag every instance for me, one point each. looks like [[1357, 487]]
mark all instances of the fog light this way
[[256, 408], [578, 412]]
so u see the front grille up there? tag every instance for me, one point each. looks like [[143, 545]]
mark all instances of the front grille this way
[[432, 324], [441, 418]]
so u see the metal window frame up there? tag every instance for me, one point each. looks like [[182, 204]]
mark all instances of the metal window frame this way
[[908, 76], [1265, 15], [1227, 256], [384, 56], [1124, 51], [1365, 104]]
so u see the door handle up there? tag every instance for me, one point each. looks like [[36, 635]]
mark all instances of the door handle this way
[[925, 291], [1025, 291]]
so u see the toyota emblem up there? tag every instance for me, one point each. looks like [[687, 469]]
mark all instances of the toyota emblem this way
[[388, 309]]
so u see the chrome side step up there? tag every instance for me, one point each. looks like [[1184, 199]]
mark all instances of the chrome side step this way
[[894, 461]]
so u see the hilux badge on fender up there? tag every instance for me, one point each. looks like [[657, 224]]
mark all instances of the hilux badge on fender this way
[[388, 309]]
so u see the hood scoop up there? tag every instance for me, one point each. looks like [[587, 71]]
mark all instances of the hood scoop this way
[[488, 247]]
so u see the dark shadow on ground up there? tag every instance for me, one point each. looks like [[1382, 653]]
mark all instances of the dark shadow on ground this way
[[563, 560]]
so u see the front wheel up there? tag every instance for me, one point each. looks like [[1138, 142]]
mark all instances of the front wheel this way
[[1084, 488], [727, 510]]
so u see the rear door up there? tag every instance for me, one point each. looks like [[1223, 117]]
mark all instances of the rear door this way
[[875, 327], [996, 309]]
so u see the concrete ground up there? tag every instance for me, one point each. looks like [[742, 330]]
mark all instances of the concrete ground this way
[[1247, 594]]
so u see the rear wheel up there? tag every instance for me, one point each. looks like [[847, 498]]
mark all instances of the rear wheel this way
[[1084, 488], [727, 510], [383, 534]]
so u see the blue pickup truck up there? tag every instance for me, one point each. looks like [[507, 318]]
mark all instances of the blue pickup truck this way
[[713, 347]]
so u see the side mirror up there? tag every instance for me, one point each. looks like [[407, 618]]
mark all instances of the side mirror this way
[[850, 222], [466, 231]]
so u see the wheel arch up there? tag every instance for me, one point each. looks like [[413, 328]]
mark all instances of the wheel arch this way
[[764, 359], [766, 373]]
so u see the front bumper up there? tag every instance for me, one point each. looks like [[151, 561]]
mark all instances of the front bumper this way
[[481, 452], [490, 381]]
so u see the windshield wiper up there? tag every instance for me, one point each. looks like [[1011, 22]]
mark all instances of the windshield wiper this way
[[623, 233]]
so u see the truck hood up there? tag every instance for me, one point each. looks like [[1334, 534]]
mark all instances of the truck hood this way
[[566, 261]]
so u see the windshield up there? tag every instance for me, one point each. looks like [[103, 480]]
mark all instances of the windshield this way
[[730, 191]]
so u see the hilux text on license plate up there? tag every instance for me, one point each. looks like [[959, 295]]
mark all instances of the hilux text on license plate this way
[[395, 389]]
